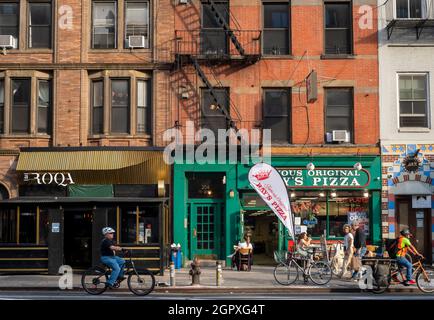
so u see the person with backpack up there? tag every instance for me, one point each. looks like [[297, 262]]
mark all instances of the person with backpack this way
[[403, 245]]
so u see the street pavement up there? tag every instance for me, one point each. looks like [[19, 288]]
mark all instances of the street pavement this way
[[259, 280]]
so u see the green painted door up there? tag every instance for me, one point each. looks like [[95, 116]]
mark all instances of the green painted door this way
[[205, 229]]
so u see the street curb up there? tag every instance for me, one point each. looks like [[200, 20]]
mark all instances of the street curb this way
[[229, 290]]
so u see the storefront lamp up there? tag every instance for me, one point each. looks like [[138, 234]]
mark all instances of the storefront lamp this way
[[366, 194], [161, 188], [321, 194], [358, 166], [231, 193], [292, 194], [310, 166], [333, 194]]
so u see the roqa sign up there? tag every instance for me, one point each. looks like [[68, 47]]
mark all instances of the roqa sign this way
[[58, 178]]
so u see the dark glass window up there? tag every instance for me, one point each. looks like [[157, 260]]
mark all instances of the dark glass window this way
[[42, 191], [413, 101], [2, 106], [137, 21], [276, 29], [20, 105], [8, 225], [44, 106], [205, 185], [104, 25], [9, 20], [39, 25], [212, 116], [339, 110], [120, 116], [144, 115], [140, 224], [135, 190], [338, 33], [213, 36], [27, 224], [406, 9], [43, 226], [277, 104], [98, 107]]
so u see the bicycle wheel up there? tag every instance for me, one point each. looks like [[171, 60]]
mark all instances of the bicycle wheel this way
[[381, 285], [425, 281], [93, 280], [320, 273], [286, 274], [141, 283]]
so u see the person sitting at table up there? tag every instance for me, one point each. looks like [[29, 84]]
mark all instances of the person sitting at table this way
[[242, 245], [304, 245]]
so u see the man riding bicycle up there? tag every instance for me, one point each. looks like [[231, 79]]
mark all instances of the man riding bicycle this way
[[109, 258], [404, 245]]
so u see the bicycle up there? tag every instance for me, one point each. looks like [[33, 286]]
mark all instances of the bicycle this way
[[424, 277], [140, 283], [286, 273]]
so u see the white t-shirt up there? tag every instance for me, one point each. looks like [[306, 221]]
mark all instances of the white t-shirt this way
[[347, 238], [243, 245]]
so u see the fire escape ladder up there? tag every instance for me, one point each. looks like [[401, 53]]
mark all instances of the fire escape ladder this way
[[224, 24], [205, 80]]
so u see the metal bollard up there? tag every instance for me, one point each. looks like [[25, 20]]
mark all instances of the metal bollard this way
[[172, 274], [219, 274]]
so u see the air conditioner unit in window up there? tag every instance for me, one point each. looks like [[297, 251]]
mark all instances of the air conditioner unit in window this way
[[7, 42], [340, 136], [136, 41]]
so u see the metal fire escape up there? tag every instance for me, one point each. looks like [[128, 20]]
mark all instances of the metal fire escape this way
[[190, 51]]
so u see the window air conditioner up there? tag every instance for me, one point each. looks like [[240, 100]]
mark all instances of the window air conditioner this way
[[136, 41], [7, 41], [340, 136]]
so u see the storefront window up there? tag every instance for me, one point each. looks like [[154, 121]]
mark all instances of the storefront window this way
[[43, 226], [311, 210], [139, 224], [8, 226], [27, 225]]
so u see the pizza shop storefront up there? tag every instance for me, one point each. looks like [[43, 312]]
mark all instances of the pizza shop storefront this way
[[322, 200], [67, 196]]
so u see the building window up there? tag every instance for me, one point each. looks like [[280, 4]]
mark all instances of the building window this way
[[98, 107], [277, 103], [213, 117], [205, 185], [39, 25], [44, 106], [9, 20], [143, 107], [120, 105], [137, 21], [338, 30], [276, 29], [20, 105], [413, 101], [27, 225], [213, 36], [139, 224], [104, 25], [2, 106], [409, 9], [8, 225], [339, 113]]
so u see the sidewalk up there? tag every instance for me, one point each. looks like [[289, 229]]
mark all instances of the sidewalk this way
[[259, 280]]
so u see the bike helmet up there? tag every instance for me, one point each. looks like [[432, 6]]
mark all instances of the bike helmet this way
[[406, 232], [108, 230]]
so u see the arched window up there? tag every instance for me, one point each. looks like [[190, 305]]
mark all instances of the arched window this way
[[4, 193]]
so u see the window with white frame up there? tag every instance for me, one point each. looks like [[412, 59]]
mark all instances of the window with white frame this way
[[9, 20], [39, 24], [413, 100]]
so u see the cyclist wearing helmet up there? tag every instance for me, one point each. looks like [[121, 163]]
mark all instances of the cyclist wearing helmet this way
[[108, 257], [403, 246]]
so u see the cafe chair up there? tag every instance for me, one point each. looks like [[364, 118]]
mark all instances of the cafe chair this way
[[244, 259]]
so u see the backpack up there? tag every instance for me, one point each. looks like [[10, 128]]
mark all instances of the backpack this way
[[392, 247]]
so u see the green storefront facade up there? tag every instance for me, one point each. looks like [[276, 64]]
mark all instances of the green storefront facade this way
[[214, 205]]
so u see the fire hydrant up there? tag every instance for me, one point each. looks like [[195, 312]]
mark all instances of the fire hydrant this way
[[195, 272]]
